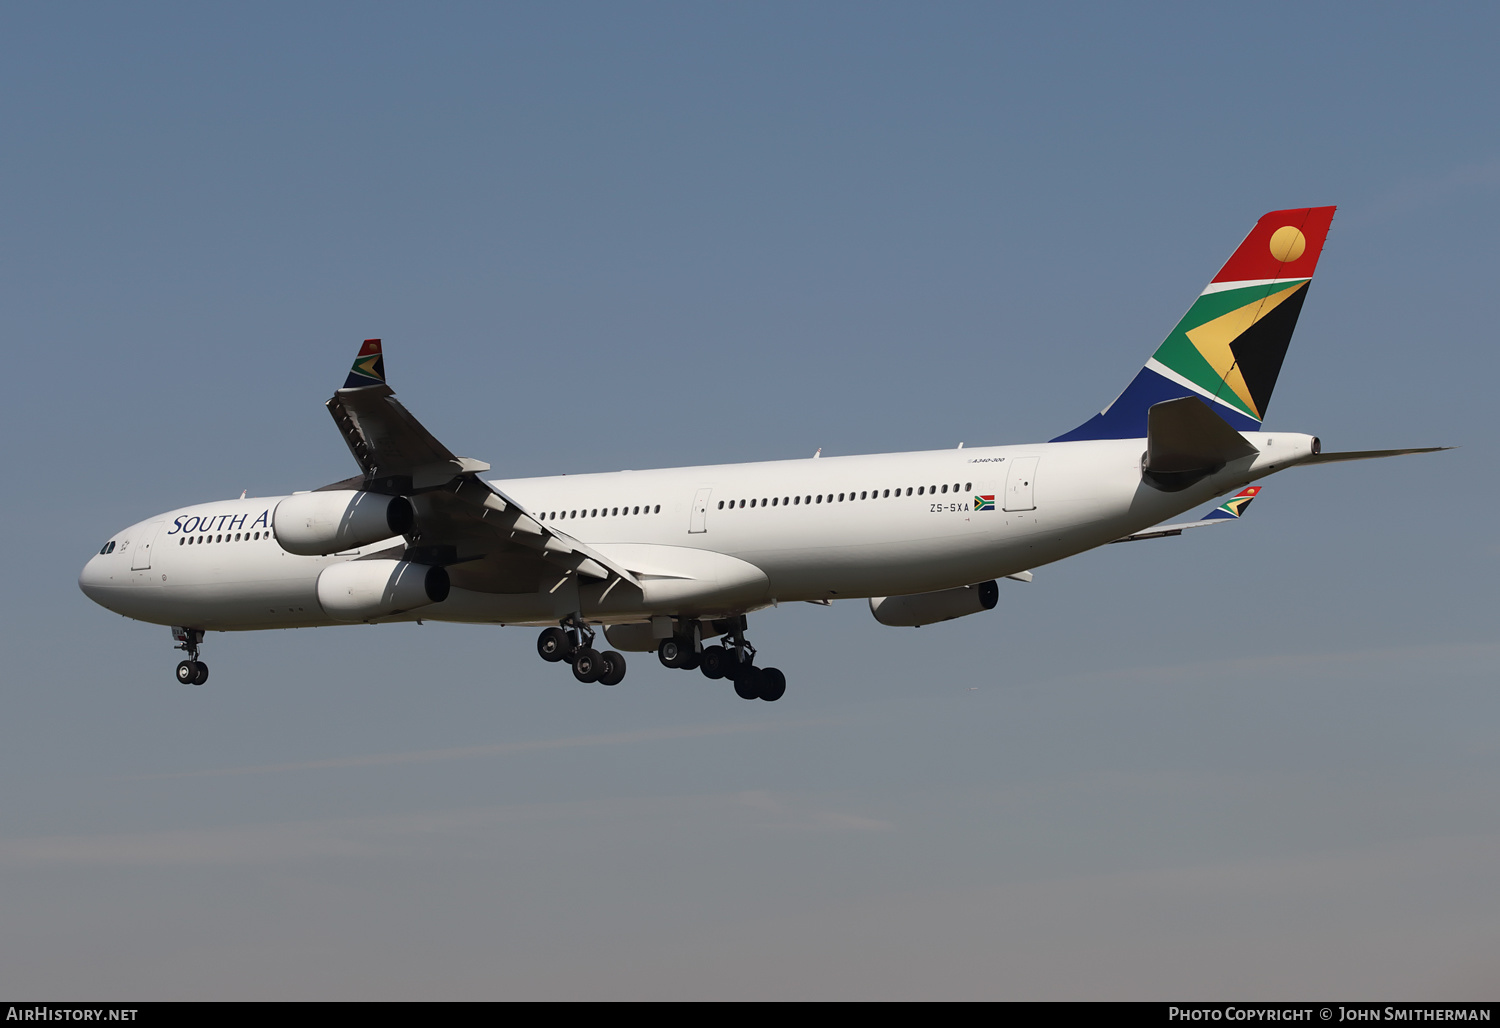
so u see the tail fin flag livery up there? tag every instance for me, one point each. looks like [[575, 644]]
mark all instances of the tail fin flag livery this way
[[1228, 347], [368, 368]]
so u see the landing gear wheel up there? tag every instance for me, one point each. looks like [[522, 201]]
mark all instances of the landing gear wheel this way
[[202, 673], [772, 684], [672, 653], [553, 644], [614, 668], [187, 672], [747, 685], [690, 661], [588, 665], [732, 667], [711, 662]]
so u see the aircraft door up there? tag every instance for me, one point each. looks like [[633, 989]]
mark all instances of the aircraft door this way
[[699, 521], [140, 556], [1020, 484]]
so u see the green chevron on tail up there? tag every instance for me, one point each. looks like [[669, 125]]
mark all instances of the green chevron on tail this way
[[1228, 348]]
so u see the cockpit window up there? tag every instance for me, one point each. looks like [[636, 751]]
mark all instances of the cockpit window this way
[[108, 547]]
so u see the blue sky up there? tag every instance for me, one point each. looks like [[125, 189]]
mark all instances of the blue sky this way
[[595, 236]]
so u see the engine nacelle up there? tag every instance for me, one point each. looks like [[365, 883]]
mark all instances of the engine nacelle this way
[[362, 590], [313, 524], [928, 608]]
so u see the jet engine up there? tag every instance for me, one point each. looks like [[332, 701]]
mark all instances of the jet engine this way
[[362, 590], [927, 608], [313, 524]]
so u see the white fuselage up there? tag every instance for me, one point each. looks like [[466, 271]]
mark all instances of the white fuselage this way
[[819, 529]]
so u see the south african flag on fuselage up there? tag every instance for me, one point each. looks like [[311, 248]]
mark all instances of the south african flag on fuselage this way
[[984, 502]]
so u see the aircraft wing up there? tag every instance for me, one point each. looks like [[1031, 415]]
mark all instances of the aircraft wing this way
[[1226, 513], [487, 540]]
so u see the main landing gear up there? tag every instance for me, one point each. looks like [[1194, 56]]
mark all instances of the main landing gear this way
[[191, 671], [574, 643], [735, 661]]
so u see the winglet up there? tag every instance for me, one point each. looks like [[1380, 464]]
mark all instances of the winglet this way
[[1229, 510], [1235, 506], [368, 368]]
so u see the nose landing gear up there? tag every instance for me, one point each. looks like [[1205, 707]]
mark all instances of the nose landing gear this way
[[191, 671]]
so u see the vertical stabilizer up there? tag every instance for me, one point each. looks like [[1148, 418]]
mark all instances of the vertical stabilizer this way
[[1228, 347], [368, 368]]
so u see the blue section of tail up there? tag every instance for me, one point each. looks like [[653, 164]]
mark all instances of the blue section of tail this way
[[1126, 417]]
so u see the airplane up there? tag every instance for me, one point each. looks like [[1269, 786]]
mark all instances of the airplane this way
[[672, 560]]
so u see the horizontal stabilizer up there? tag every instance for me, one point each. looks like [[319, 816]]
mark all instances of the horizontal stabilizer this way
[[1334, 458], [1183, 436]]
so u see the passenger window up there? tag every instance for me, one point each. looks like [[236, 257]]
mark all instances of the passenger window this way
[[820, 497], [945, 487], [968, 487], [658, 508], [721, 504], [919, 490]]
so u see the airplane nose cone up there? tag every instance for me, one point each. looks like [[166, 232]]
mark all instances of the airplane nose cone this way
[[91, 580]]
